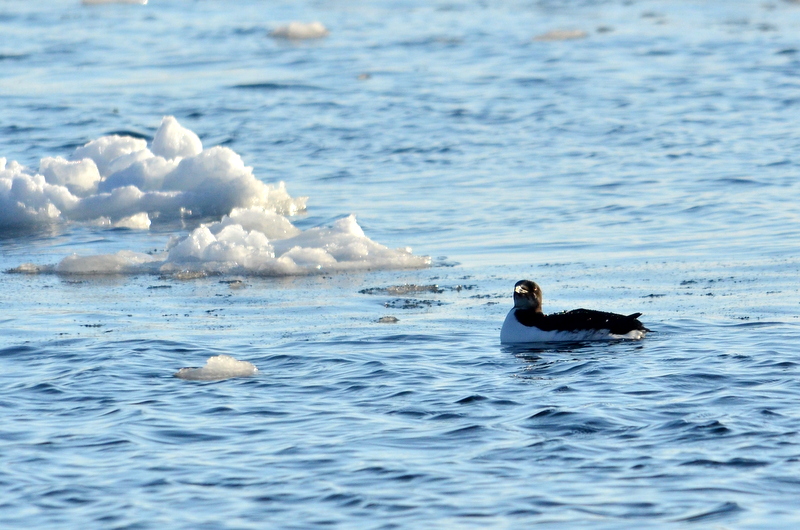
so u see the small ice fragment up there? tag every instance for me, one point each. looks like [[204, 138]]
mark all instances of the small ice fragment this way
[[139, 221], [561, 34], [300, 30], [26, 268], [123, 262], [216, 368]]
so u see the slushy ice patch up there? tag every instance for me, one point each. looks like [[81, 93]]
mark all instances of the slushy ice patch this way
[[118, 181]]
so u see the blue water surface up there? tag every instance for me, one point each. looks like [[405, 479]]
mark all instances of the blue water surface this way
[[650, 166]]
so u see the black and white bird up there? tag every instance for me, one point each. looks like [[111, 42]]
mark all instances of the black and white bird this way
[[527, 323]]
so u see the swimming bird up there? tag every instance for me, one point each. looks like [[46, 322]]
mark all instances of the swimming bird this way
[[527, 323]]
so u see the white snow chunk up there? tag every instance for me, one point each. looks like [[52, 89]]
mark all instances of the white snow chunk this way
[[300, 30], [217, 368]]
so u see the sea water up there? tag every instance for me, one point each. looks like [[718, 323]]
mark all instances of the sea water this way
[[628, 156]]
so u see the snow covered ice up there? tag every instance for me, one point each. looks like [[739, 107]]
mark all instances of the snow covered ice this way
[[118, 176], [120, 182], [216, 368], [300, 31]]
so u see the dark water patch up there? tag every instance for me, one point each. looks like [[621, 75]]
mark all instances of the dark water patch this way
[[550, 413], [269, 87], [734, 462], [465, 431], [132, 133], [111, 445], [252, 30], [412, 338], [722, 511], [447, 416], [531, 81], [345, 500], [505, 403], [756, 324], [441, 41], [711, 428], [221, 410], [778, 163], [47, 388], [471, 399], [14, 56], [741, 181], [704, 376], [21, 350], [267, 413], [410, 413], [11, 130], [181, 436]]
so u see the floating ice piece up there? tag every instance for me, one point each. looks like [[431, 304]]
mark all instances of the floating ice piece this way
[[229, 247], [216, 368], [116, 176], [117, 181], [264, 244], [562, 34], [139, 221], [300, 30]]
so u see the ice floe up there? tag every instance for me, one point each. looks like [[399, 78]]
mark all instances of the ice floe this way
[[117, 177], [300, 30], [252, 241], [218, 367], [121, 182]]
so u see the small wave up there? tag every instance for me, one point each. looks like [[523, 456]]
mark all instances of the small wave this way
[[720, 511], [735, 462]]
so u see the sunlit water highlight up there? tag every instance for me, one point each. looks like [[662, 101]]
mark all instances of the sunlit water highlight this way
[[648, 166]]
